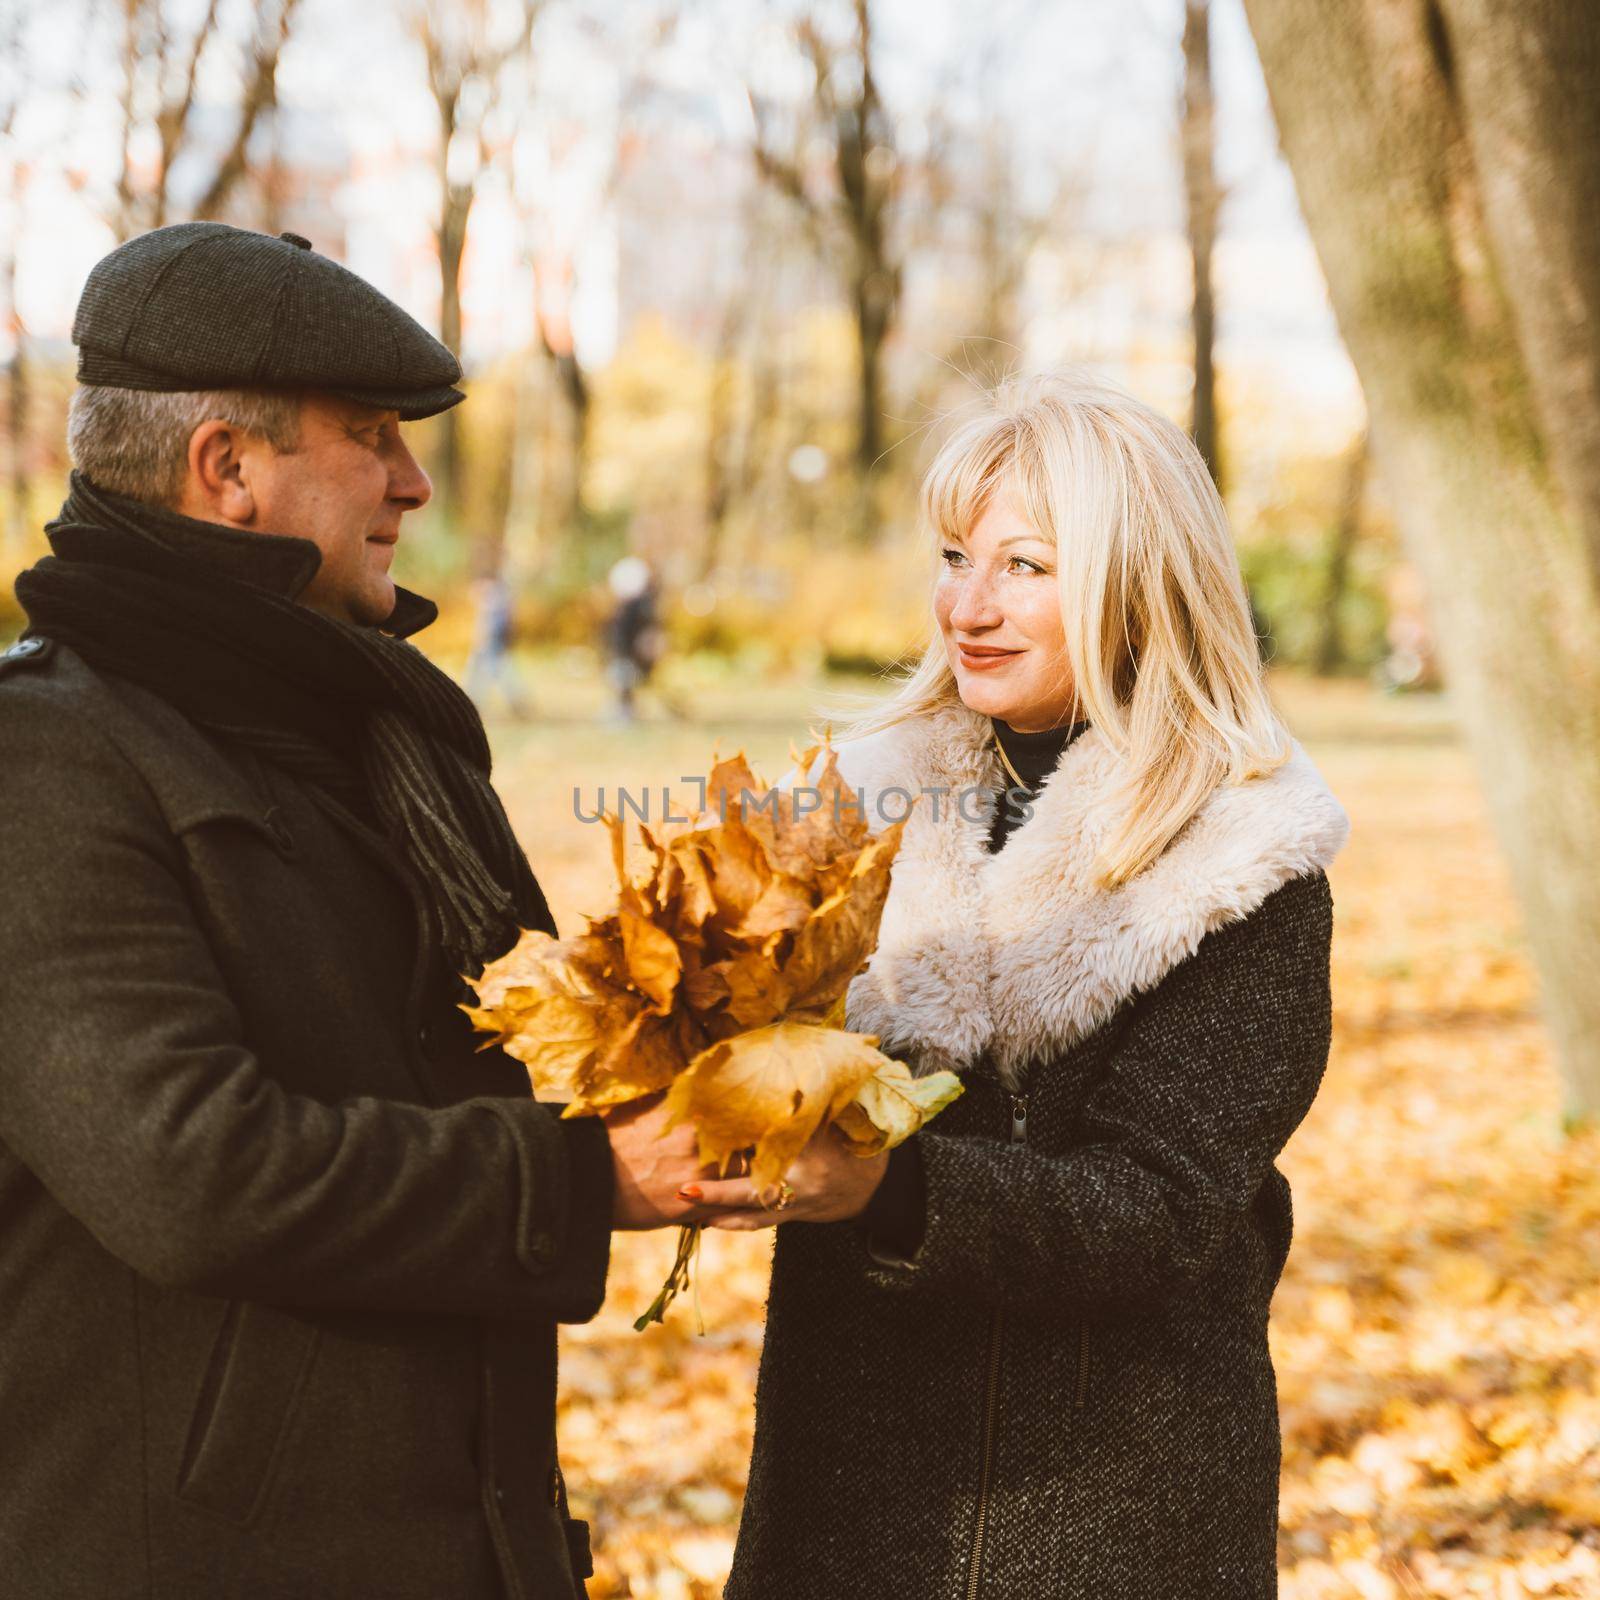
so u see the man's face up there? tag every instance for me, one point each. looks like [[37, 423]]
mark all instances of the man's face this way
[[345, 488]]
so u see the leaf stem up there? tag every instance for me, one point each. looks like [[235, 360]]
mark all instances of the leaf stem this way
[[679, 1278]]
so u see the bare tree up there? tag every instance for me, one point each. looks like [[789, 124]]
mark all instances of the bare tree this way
[[18, 486], [468, 46], [1007, 191], [553, 287], [851, 205], [1196, 119], [159, 70], [558, 130], [260, 97], [11, 93], [1005, 234], [1447, 156]]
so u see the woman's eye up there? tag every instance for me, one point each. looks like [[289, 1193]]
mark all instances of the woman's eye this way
[[1025, 564], [950, 557]]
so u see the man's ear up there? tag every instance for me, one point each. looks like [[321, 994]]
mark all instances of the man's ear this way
[[217, 486]]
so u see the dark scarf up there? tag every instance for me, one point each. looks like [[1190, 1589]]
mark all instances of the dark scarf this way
[[204, 615]]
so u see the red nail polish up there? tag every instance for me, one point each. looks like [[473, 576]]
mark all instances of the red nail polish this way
[[690, 1191]]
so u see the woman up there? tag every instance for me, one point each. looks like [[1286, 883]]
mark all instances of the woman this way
[[1029, 1357]]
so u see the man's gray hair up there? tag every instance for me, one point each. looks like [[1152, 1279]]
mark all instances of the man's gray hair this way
[[136, 441]]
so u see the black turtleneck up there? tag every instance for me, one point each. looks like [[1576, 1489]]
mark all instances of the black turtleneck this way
[[1035, 756], [896, 1216]]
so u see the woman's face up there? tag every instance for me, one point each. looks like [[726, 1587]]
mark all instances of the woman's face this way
[[999, 612]]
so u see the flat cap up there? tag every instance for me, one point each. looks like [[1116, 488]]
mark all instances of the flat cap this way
[[201, 305]]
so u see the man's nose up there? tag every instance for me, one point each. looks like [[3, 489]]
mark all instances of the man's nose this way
[[408, 483]]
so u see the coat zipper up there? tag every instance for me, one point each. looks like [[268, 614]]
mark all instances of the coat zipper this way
[[1083, 1366], [997, 1329]]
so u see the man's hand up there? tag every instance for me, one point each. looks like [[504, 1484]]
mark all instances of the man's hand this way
[[651, 1167], [829, 1184]]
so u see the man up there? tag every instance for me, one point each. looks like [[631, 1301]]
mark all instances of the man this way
[[281, 1250]]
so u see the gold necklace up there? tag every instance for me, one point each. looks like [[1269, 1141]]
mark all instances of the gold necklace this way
[[1005, 761]]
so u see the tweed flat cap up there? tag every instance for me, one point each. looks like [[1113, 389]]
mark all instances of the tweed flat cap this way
[[201, 305]]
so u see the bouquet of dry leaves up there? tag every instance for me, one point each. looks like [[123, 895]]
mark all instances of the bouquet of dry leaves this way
[[719, 978]]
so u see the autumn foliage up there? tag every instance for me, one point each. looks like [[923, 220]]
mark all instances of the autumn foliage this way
[[719, 977]]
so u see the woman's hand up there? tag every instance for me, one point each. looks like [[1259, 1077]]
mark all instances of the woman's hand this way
[[651, 1167], [827, 1183]]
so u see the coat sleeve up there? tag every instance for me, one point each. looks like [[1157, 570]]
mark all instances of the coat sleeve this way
[[128, 1089], [1172, 1144]]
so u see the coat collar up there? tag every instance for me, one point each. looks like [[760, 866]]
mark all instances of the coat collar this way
[[282, 564], [1017, 956]]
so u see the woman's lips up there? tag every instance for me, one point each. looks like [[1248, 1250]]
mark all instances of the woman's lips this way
[[983, 660]]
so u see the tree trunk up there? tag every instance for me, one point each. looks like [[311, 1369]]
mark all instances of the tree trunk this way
[[19, 507], [451, 236], [877, 293], [871, 326], [1201, 200], [524, 522], [1329, 656], [719, 434], [1447, 158], [123, 223], [575, 386]]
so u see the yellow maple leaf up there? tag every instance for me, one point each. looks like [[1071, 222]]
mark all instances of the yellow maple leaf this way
[[740, 871], [891, 1105], [782, 906], [642, 1058], [651, 958], [836, 940], [727, 785], [771, 1089]]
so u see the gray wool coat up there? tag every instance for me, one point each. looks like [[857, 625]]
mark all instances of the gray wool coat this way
[[1066, 1391], [281, 1253]]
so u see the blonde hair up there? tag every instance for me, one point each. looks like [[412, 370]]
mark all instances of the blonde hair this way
[[1160, 642]]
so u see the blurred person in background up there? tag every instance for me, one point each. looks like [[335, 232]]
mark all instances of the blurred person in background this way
[[491, 664], [1025, 1353], [282, 1249], [635, 639]]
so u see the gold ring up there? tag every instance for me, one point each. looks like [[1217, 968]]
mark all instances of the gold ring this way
[[785, 1195]]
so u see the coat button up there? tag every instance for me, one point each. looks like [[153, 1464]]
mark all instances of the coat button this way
[[24, 648], [282, 839]]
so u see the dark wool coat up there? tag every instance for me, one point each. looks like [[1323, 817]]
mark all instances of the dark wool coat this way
[[1066, 1391], [281, 1254]]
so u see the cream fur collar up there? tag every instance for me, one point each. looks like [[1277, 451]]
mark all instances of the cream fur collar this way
[[1018, 955]]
